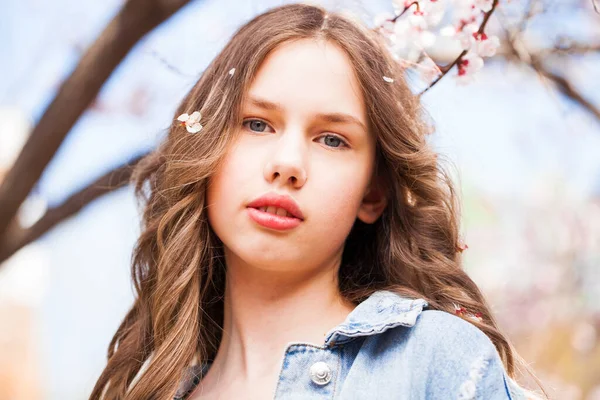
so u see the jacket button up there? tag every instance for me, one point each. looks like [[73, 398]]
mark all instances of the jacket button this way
[[320, 373]]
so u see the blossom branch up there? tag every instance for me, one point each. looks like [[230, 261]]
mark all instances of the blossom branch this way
[[445, 69], [414, 3], [413, 34]]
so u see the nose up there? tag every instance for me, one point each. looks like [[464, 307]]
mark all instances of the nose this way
[[286, 162]]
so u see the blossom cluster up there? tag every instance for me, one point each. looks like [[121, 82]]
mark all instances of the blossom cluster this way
[[416, 26], [458, 310]]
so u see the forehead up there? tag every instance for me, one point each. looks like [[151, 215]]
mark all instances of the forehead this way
[[310, 76]]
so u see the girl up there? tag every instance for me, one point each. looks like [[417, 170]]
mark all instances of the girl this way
[[300, 238]]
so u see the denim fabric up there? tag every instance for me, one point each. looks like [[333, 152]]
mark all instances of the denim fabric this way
[[391, 347]]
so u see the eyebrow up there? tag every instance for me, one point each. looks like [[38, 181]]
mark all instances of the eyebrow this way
[[328, 117]]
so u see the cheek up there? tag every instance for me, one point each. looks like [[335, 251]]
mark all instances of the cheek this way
[[231, 172], [225, 187], [337, 193]]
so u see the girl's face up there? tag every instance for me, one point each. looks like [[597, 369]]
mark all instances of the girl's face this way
[[304, 136]]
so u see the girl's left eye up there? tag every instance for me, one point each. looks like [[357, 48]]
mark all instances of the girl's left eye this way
[[334, 141]]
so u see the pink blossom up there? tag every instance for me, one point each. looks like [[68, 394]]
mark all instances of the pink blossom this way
[[410, 38], [417, 30], [383, 21], [428, 70], [466, 36], [467, 67], [487, 47], [191, 122]]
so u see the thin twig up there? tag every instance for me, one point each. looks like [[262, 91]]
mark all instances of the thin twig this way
[[535, 61], [447, 68], [109, 182]]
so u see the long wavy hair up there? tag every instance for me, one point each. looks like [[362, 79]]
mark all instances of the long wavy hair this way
[[177, 264]]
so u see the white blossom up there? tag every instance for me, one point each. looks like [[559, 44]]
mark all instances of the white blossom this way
[[191, 122], [410, 39], [487, 47], [480, 43], [383, 21], [463, 10], [467, 40], [433, 12], [448, 31], [413, 34], [470, 64], [428, 70]]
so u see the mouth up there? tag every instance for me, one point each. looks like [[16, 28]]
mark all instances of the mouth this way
[[275, 211], [273, 218], [282, 212]]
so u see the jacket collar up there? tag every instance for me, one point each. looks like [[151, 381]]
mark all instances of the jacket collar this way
[[381, 311]]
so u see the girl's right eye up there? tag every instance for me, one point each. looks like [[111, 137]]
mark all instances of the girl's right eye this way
[[255, 125]]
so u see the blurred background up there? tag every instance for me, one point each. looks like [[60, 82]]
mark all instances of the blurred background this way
[[523, 138]]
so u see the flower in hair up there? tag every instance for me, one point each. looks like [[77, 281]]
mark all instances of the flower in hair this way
[[463, 312], [191, 122], [388, 79], [231, 71], [461, 245]]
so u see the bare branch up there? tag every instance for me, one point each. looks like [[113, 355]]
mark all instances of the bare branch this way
[[18, 237], [135, 19], [572, 48], [565, 87], [517, 51]]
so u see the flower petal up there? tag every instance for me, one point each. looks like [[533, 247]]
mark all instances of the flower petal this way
[[388, 79], [231, 71], [194, 128], [183, 117], [195, 117]]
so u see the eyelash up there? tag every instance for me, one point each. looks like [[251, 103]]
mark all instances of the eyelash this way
[[342, 141]]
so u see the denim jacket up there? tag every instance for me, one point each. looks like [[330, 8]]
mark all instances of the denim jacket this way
[[389, 347]]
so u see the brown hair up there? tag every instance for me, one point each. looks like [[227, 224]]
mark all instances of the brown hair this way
[[177, 265]]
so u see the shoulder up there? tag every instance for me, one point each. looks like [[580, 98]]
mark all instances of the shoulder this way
[[447, 332], [455, 357]]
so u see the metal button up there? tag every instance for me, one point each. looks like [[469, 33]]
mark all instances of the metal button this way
[[320, 373]]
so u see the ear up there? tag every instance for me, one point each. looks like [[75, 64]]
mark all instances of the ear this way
[[373, 203]]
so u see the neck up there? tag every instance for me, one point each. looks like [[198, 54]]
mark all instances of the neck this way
[[265, 310]]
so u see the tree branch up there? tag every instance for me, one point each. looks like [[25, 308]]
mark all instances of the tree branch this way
[[446, 68], [565, 87], [134, 20], [517, 51], [18, 237]]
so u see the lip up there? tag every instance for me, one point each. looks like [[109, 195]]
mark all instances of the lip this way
[[278, 200], [273, 221]]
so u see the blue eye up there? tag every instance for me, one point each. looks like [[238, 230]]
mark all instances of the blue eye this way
[[256, 124], [259, 126], [334, 141]]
